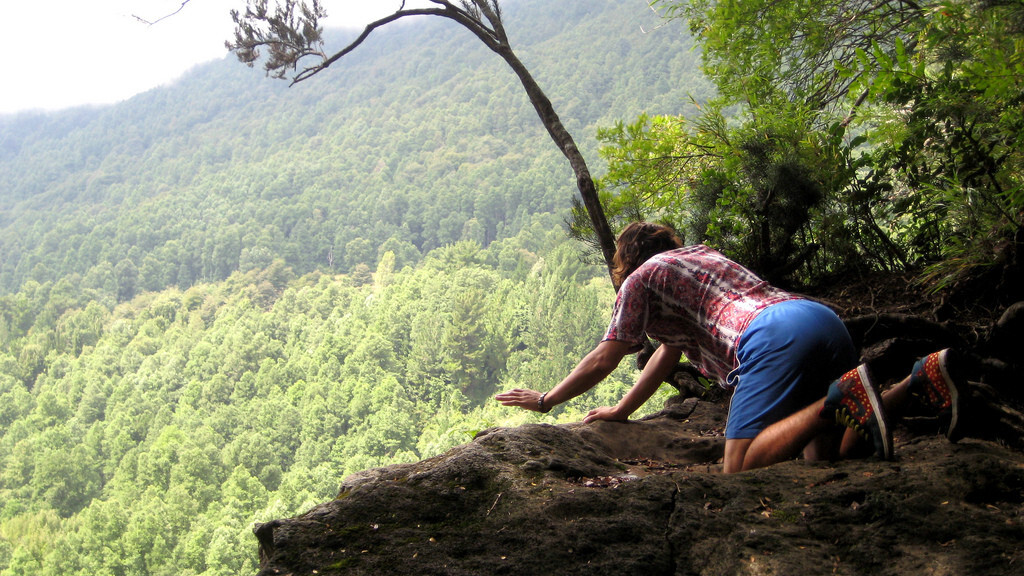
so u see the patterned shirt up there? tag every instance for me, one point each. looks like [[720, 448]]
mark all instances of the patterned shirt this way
[[694, 299]]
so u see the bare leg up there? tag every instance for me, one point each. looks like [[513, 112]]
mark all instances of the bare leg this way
[[804, 431], [895, 399], [781, 441], [825, 446], [735, 450]]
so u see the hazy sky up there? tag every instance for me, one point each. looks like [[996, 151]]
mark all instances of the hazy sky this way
[[63, 53]]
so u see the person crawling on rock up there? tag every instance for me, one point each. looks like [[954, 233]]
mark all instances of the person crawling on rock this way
[[790, 361]]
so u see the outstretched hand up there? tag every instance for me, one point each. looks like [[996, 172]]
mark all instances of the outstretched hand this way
[[520, 397], [605, 413]]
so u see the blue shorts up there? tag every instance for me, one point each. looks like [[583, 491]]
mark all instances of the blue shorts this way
[[788, 356]]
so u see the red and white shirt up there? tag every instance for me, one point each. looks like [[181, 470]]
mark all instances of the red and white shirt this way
[[694, 299]]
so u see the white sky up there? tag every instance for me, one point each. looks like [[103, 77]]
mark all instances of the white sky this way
[[63, 53]]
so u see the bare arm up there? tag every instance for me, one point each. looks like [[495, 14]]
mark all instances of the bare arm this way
[[661, 364], [593, 368]]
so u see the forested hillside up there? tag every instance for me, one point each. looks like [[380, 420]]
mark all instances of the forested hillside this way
[[155, 434], [220, 297], [422, 138]]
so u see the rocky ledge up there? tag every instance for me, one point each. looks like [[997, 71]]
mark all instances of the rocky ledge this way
[[646, 497]]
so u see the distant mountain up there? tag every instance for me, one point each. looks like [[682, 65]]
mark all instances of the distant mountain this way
[[418, 139]]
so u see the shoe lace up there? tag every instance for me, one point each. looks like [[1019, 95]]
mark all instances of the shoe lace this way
[[845, 418]]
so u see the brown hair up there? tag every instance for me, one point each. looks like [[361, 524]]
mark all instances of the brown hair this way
[[638, 242]]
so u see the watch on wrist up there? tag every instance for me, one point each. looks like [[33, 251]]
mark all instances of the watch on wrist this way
[[540, 404]]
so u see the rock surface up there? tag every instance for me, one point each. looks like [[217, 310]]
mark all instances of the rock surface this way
[[646, 497]]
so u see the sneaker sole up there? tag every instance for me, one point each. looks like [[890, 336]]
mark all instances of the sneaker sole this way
[[879, 412], [954, 396]]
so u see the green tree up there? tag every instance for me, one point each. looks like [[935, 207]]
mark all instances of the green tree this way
[[894, 125], [66, 479], [30, 537], [405, 252], [757, 190], [359, 251], [127, 275]]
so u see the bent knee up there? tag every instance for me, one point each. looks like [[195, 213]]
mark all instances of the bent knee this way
[[735, 454]]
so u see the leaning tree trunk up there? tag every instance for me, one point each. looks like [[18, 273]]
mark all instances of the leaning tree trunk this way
[[565, 143]]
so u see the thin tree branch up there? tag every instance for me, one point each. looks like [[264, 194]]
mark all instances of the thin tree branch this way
[[162, 18], [308, 72], [494, 38]]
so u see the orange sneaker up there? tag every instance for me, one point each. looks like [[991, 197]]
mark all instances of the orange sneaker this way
[[853, 401], [933, 387]]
